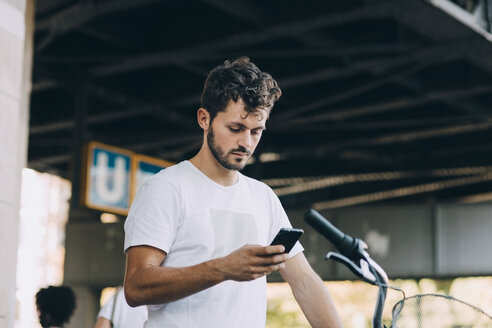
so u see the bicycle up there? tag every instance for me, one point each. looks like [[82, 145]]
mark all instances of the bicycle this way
[[415, 311]]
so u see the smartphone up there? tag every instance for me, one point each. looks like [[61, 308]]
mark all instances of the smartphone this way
[[287, 237]]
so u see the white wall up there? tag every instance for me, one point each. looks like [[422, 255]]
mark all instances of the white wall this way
[[16, 28]]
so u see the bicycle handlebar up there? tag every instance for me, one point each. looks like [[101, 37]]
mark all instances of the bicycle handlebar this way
[[353, 255], [347, 245]]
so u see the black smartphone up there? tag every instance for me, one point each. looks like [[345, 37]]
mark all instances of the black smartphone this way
[[287, 237]]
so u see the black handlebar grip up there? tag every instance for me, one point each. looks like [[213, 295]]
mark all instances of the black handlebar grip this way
[[345, 244]]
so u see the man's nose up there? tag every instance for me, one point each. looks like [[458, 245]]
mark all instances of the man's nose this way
[[246, 141]]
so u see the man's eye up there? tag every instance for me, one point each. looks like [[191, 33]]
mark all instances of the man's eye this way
[[256, 132], [234, 129]]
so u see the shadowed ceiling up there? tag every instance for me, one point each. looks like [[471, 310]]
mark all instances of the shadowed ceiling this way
[[383, 101]]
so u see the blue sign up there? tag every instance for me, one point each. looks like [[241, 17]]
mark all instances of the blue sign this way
[[109, 176], [114, 175]]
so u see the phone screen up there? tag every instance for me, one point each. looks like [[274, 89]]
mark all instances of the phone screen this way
[[287, 237]]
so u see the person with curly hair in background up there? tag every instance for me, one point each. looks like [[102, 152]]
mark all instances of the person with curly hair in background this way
[[55, 305]]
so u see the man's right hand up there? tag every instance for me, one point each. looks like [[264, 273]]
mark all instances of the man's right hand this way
[[251, 262]]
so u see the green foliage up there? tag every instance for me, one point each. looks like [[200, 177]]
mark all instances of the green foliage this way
[[444, 285]]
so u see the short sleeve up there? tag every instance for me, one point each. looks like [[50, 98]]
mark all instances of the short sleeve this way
[[106, 310], [153, 216]]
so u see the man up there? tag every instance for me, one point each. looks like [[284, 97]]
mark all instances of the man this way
[[55, 306], [196, 232], [117, 314]]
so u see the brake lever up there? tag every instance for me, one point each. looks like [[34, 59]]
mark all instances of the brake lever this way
[[362, 272]]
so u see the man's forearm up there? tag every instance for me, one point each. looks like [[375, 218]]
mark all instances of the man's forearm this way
[[102, 323], [316, 303], [146, 282], [311, 293], [157, 285]]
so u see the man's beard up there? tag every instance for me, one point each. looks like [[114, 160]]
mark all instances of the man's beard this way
[[219, 155]]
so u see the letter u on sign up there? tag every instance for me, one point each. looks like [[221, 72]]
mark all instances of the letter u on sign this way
[[110, 182], [108, 179]]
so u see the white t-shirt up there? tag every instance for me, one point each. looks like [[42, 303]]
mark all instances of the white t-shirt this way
[[124, 315], [194, 219]]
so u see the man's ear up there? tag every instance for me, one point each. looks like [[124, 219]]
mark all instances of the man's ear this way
[[203, 117]]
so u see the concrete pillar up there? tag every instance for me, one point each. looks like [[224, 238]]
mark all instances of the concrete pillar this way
[[16, 30]]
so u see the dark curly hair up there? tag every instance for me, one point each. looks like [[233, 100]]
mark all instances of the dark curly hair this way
[[239, 79], [56, 305]]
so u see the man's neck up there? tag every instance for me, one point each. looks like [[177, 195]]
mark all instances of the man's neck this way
[[208, 165]]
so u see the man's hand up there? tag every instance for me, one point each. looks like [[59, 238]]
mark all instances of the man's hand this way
[[251, 262]]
